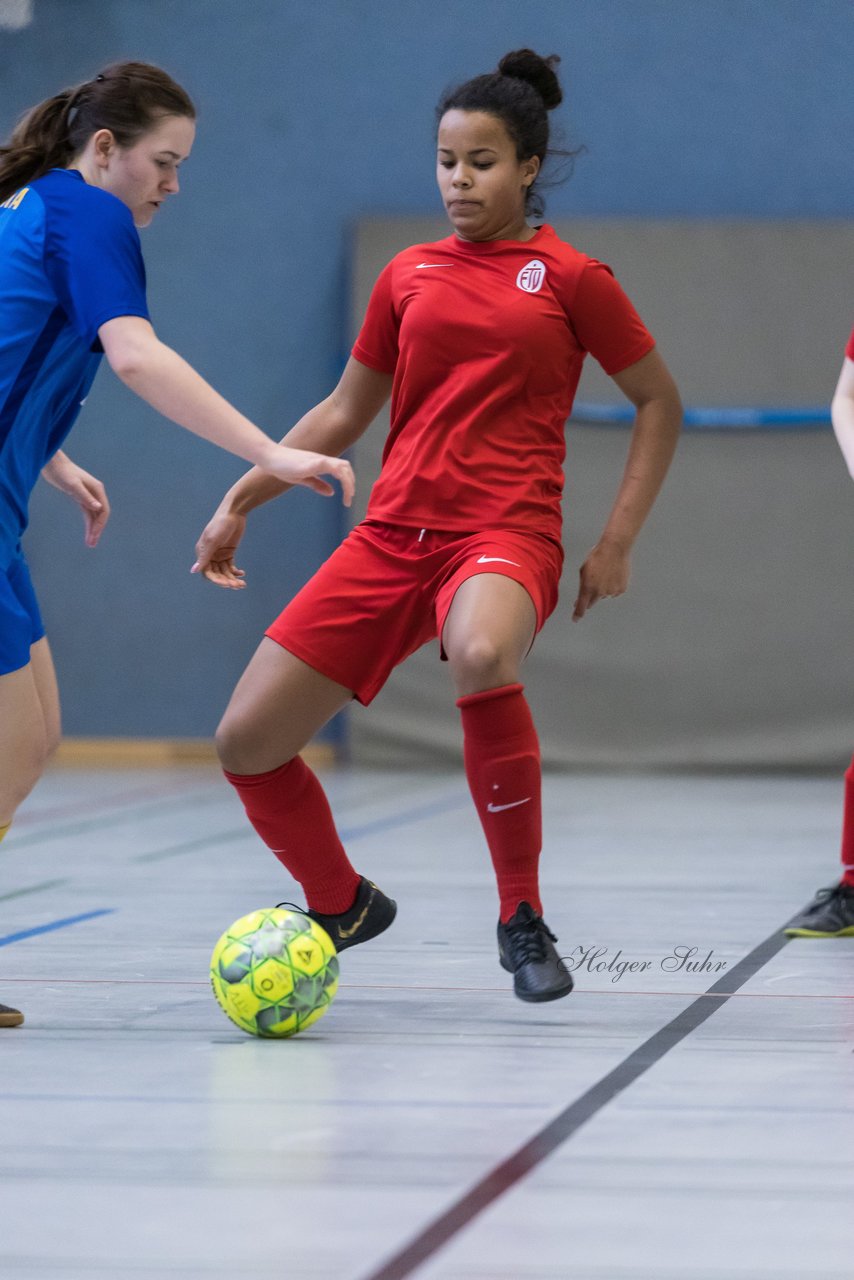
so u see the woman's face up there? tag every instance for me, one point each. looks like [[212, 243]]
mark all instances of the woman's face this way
[[483, 183], [145, 173]]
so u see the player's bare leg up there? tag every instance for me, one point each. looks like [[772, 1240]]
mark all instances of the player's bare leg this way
[[280, 703], [29, 728], [278, 706], [23, 741], [489, 628], [29, 732], [488, 632], [44, 675]]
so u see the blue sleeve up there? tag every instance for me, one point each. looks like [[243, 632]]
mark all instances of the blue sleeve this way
[[94, 262]]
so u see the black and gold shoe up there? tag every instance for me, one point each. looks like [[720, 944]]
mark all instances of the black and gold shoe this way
[[370, 914], [10, 1017], [526, 949], [829, 915]]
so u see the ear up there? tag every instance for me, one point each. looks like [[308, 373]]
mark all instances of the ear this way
[[103, 145], [530, 169]]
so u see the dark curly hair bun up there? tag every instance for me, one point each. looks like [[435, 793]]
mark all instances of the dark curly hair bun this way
[[524, 64], [520, 93]]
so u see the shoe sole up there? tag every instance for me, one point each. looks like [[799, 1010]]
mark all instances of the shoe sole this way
[[542, 997], [11, 1019], [536, 999], [847, 932]]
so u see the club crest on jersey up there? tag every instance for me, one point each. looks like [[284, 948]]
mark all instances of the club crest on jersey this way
[[530, 278]]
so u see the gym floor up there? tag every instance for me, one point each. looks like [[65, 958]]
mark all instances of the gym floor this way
[[430, 1124]]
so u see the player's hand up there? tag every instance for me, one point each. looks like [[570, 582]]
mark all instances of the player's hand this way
[[301, 466], [216, 548], [604, 574], [88, 492]]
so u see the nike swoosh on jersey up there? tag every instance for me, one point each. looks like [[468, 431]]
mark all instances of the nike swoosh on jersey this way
[[421, 265], [496, 560], [499, 808]]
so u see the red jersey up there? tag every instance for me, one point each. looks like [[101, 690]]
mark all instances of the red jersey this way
[[486, 341], [849, 350]]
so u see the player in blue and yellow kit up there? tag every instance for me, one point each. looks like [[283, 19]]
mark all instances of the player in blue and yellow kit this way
[[82, 171]]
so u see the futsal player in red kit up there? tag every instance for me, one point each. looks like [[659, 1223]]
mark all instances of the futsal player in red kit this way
[[479, 340], [831, 915]]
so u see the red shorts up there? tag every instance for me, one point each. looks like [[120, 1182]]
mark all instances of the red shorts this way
[[387, 589]]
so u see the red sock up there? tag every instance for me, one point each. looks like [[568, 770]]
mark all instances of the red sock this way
[[848, 827], [502, 758], [290, 812]]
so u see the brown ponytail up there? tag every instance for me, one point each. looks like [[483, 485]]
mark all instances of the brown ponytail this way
[[127, 98]]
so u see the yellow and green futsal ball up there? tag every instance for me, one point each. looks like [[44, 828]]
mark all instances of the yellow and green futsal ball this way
[[274, 972]]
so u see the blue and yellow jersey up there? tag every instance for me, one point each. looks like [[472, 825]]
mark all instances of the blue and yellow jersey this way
[[70, 260]]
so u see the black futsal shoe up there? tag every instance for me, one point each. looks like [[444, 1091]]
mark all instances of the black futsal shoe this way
[[10, 1017], [830, 915], [370, 914], [526, 949]]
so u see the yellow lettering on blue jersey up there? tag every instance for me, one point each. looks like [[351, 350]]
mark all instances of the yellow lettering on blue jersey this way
[[15, 200]]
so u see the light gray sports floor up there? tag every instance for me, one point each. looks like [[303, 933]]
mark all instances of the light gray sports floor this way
[[430, 1124]]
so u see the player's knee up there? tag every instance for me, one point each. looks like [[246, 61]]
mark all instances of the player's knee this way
[[241, 749], [52, 741], [230, 743], [19, 782], [480, 663]]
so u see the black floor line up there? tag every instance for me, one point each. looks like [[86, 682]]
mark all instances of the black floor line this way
[[511, 1171]]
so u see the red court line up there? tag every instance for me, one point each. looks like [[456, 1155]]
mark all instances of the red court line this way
[[393, 986]]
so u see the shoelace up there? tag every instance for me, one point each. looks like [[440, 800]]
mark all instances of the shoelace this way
[[528, 941]]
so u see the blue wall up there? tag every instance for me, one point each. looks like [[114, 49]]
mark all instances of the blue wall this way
[[311, 116]]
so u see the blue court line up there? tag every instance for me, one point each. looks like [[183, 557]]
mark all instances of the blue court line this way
[[55, 924], [431, 810], [400, 819], [198, 842], [808, 417]]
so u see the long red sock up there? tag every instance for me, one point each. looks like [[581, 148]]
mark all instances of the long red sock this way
[[502, 759], [290, 812], [848, 827]]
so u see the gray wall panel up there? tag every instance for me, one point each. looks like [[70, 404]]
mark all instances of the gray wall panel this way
[[732, 644]]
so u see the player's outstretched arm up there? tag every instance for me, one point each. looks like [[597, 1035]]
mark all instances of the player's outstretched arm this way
[[842, 413], [330, 427], [162, 378], [658, 422]]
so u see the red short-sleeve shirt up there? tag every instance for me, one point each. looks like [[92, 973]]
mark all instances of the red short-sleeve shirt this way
[[849, 350], [486, 341]]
